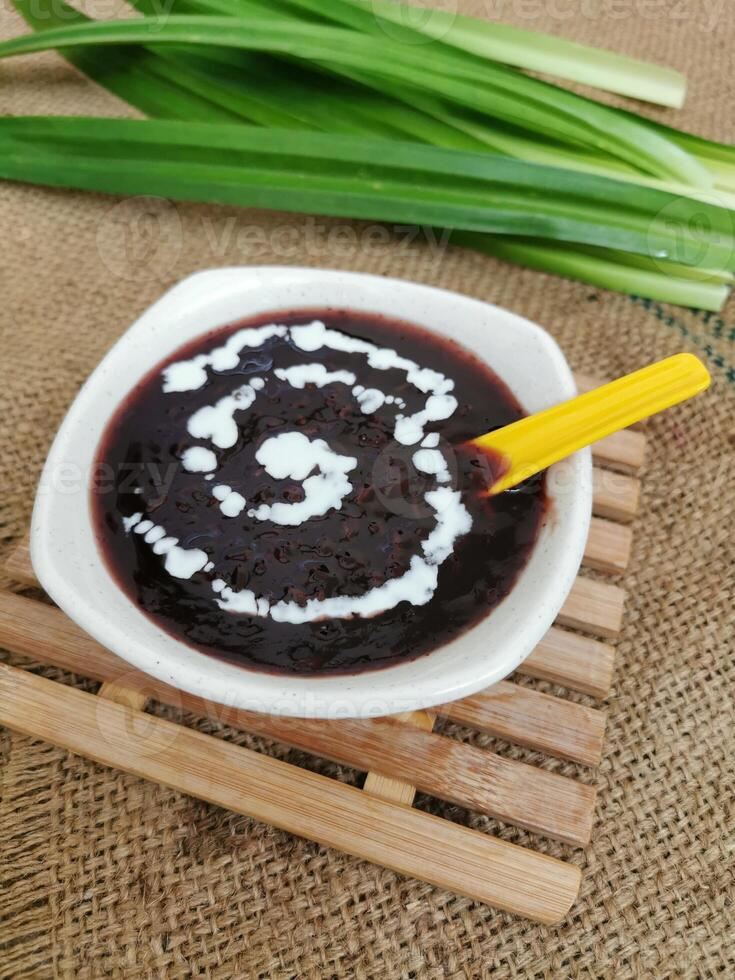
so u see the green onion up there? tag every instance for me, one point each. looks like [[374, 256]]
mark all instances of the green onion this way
[[348, 176], [435, 122], [595, 193], [717, 157], [583, 62], [128, 72], [654, 282], [497, 42], [496, 91], [545, 53], [173, 83]]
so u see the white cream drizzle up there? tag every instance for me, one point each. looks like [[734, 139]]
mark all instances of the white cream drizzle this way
[[430, 461], [198, 459], [217, 422], [179, 562], [301, 375], [291, 455], [130, 522], [192, 374], [232, 503], [416, 586], [321, 471], [369, 399]]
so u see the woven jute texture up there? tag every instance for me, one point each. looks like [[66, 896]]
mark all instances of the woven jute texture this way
[[106, 875]]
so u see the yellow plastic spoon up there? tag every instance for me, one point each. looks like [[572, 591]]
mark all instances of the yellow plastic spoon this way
[[531, 444]]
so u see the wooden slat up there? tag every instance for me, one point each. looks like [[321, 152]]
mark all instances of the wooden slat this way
[[614, 495], [608, 546], [595, 607], [122, 694], [401, 753], [536, 720], [580, 663], [324, 810], [624, 451], [35, 629], [475, 778], [18, 564], [387, 787], [572, 660]]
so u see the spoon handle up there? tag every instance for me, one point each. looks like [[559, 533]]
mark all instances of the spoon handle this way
[[535, 442]]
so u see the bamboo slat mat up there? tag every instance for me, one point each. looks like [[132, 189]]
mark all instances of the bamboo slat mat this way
[[106, 875], [399, 754]]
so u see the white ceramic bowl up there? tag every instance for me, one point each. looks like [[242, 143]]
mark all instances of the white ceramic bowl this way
[[70, 567]]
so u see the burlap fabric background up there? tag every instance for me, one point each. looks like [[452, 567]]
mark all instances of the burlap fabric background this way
[[106, 875]]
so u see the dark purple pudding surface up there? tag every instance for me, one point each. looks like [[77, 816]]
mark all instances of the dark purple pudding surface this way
[[379, 532]]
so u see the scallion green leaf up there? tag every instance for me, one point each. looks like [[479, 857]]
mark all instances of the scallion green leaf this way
[[497, 91], [608, 272], [349, 176], [544, 53]]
